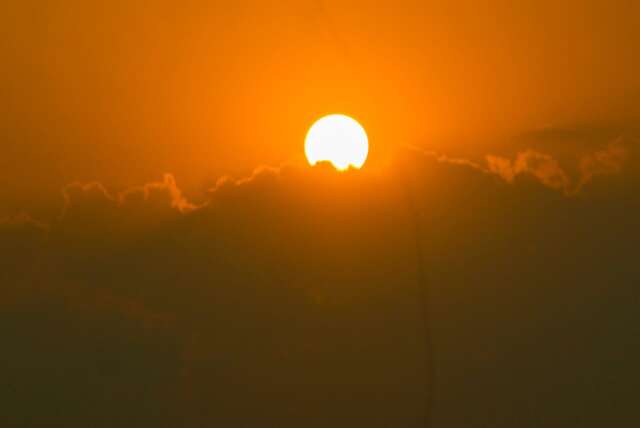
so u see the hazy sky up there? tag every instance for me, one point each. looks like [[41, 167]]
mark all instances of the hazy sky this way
[[167, 258], [291, 299], [126, 91]]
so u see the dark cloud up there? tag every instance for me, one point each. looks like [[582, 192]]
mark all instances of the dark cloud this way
[[21, 247], [541, 166], [292, 298], [548, 171], [607, 161], [164, 193]]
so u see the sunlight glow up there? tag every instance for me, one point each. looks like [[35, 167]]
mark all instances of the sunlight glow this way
[[338, 139]]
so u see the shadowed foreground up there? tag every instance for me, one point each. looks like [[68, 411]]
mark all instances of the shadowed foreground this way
[[290, 299]]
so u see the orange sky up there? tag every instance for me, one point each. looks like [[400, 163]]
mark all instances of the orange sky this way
[[498, 210], [125, 91]]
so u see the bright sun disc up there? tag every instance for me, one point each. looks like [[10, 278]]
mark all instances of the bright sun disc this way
[[337, 139]]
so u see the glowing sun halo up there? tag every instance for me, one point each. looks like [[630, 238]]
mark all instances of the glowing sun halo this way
[[338, 139]]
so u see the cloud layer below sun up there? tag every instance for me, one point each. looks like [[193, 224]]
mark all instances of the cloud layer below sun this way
[[291, 297]]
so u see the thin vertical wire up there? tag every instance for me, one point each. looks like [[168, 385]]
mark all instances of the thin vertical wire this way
[[424, 291]]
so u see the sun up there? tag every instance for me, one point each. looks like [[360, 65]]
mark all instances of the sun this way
[[338, 139]]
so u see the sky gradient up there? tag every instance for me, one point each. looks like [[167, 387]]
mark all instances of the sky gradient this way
[[168, 258], [213, 88]]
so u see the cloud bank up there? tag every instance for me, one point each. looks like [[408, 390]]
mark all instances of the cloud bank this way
[[292, 298], [547, 170]]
